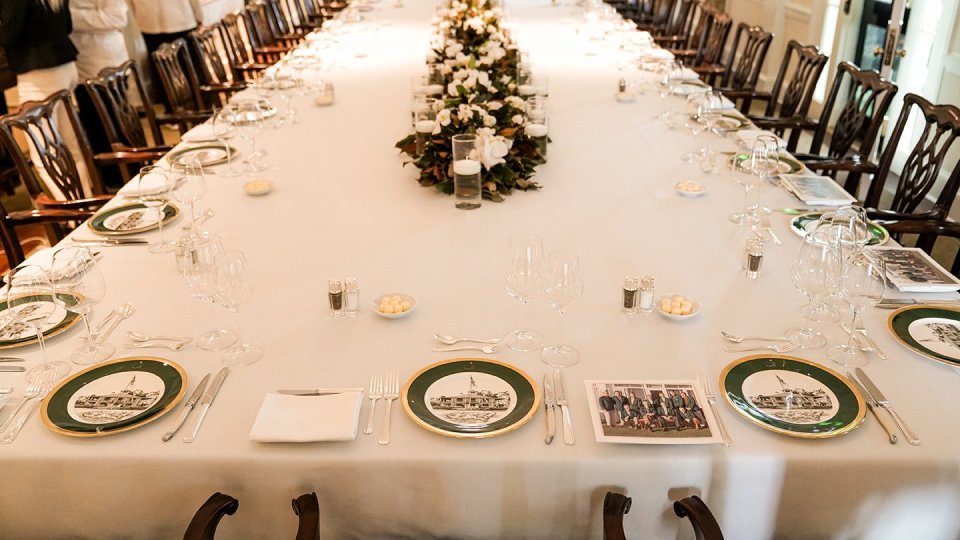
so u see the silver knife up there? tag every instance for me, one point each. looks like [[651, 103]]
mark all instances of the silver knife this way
[[187, 407], [112, 242], [550, 406], [872, 405], [894, 303], [10, 359], [765, 224], [562, 402], [882, 400], [12, 368], [313, 392], [208, 397]]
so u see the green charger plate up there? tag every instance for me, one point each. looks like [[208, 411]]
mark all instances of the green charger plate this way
[[936, 326], [114, 397], [208, 154], [470, 398], [799, 224], [98, 223], [788, 165], [792, 396], [9, 342]]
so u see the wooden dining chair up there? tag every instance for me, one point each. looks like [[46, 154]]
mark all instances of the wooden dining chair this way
[[706, 45], [58, 223], [259, 34], [211, 47], [741, 71], [859, 100], [62, 188], [204, 524], [282, 23], [307, 509], [616, 505], [653, 16], [933, 153], [243, 61], [680, 24], [303, 20], [190, 102]]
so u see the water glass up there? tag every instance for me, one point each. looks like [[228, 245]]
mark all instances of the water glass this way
[[563, 285], [466, 172], [862, 285], [189, 187], [30, 308], [524, 281], [199, 270], [155, 187], [78, 286], [233, 291], [222, 123]]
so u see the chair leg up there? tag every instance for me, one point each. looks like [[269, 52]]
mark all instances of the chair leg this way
[[705, 526], [203, 526], [307, 507], [615, 505]]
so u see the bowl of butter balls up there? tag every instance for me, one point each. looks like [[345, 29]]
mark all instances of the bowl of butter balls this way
[[677, 307], [394, 305]]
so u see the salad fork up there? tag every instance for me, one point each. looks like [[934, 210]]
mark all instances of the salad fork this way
[[450, 340], [391, 393], [488, 349], [31, 392], [789, 346], [376, 392]]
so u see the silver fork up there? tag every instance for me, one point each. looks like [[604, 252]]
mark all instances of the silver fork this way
[[707, 385], [488, 349], [391, 393], [376, 392], [31, 392], [775, 348], [172, 345]]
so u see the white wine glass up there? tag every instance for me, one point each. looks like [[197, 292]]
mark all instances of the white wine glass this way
[[78, 287], [749, 170], [223, 125], [693, 119], [32, 310], [524, 281], [233, 291], [862, 285], [155, 187], [199, 269], [189, 187], [563, 285], [816, 273], [249, 122]]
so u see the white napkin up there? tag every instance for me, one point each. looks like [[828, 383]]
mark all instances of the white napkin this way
[[286, 418], [746, 137], [726, 104], [688, 74], [659, 54], [200, 133]]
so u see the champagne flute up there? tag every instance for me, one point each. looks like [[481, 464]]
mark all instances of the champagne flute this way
[[78, 287], [862, 285], [524, 282], [563, 285], [200, 273], [233, 291], [189, 187], [30, 308], [155, 186]]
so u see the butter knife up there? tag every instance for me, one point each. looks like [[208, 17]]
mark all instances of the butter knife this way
[[550, 406], [872, 405], [12, 368], [111, 242], [10, 359], [562, 402], [895, 303], [882, 400], [208, 398], [765, 224], [187, 407]]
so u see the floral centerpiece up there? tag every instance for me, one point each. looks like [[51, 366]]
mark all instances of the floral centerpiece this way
[[479, 66]]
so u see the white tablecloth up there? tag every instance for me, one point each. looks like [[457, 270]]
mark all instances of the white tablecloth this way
[[343, 206]]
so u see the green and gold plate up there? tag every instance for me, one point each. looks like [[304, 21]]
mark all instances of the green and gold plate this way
[[114, 397], [930, 330], [470, 398], [792, 396], [208, 154], [787, 165], [130, 218], [729, 121], [802, 224], [17, 334]]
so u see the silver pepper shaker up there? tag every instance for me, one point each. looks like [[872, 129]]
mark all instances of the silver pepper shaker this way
[[335, 295], [630, 296], [351, 297], [754, 257], [646, 295]]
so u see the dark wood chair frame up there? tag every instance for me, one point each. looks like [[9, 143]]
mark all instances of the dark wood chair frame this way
[[190, 101], [616, 505], [204, 524], [264, 44], [58, 221], [744, 63], [211, 48], [303, 19], [307, 509], [708, 41], [680, 24], [244, 62]]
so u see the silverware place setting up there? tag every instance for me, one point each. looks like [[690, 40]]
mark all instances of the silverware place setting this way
[[206, 401], [873, 393], [391, 392], [137, 340], [779, 348], [740, 339], [187, 408]]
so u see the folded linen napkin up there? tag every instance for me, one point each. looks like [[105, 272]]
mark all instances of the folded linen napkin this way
[[687, 74], [287, 418], [726, 104], [659, 54], [746, 137]]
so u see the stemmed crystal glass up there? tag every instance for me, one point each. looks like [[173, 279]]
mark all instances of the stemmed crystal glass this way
[[862, 285], [693, 119], [199, 270], [78, 286], [189, 187], [30, 303], [816, 273], [524, 281], [249, 121], [155, 187], [563, 285], [233, 291], [749, 172], [222, 123]]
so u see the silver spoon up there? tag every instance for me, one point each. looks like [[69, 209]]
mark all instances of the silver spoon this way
[[450, 340], [739, 339], [137, 336]]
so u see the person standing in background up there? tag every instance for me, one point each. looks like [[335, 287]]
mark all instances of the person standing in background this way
[[36, 37]]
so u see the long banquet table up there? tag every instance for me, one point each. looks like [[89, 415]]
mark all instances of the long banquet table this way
[[344, 206]]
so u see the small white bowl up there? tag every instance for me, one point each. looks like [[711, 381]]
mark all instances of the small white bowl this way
[[694, 308], [626, 97], [690, 189], [258, 188], [403, 298]]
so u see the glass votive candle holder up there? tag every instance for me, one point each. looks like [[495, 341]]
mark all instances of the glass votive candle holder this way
[[466, 172]]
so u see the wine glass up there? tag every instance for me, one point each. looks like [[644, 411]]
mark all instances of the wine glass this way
[[189, 187], [862, 285], [562, 285], [249, 121], [816, 273], [222, 124], [748, 172], [524, 282], [233, 291], [771, 145], [78, 287], [155, 187], [30, 308], [694, 121], [199, 270]]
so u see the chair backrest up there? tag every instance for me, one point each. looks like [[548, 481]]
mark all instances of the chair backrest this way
[[705, 526], [178, 77], [110, 92], [307, 508], [921, 170], [203, 526], [281, 20], [793, 88], [213, 52], [746, 62], [680, 21], [258, 25], [36, 121], [713, 36], [867, 98]]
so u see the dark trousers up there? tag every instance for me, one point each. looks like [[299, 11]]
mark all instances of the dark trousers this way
[[97, 135], [153, 42]]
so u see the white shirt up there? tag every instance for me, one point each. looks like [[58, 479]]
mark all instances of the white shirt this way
[[167, 16], [98, 34]]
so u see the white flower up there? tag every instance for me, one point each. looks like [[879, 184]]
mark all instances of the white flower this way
[[443, 119], [462, 59], [493, 148], [489, 121], [484, 79], [516, 102], [491, 28], [453, 50], [505, 79], [517, 119], [494, 106], [453, 89], [464, 113]]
